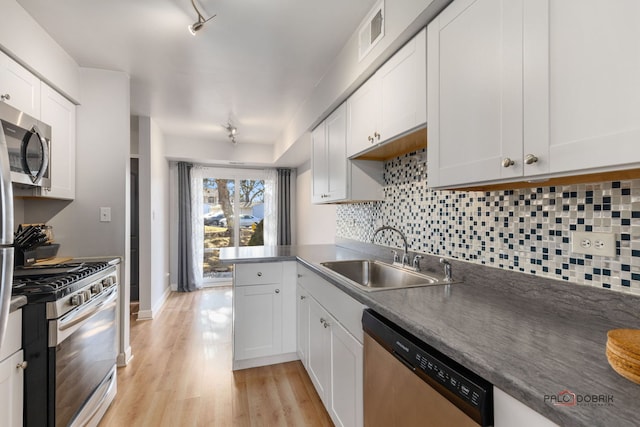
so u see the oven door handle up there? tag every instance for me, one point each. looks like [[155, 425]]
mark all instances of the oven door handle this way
[[66, 325]]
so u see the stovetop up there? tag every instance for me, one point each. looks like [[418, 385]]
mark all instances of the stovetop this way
[[53, 282]]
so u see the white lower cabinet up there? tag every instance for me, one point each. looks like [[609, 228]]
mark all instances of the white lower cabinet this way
[[12, 373], [302, 313], [334, 354], [319, 361], [264, 314], [508, 411], [346, 382], [258, 331]]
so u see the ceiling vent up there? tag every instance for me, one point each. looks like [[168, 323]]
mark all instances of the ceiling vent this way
[[371, 31]]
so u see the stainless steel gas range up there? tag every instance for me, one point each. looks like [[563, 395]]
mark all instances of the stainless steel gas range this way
[[70, 342]]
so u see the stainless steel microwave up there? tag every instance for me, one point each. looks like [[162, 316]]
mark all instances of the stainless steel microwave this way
[[29, 146]]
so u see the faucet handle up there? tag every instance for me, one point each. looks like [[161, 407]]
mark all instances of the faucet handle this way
[[447, 269], [395, 256], [416, 262]]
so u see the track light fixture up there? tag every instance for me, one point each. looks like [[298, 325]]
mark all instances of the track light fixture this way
[[197, 26], [232, 132]]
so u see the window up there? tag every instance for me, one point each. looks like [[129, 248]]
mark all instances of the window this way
[[233, 215]]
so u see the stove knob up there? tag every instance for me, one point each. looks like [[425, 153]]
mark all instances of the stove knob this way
[[87, 295], [97, 288], [77, 299], [108, 281]]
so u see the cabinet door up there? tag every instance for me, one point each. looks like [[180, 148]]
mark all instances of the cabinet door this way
[[593, 90], [303, 325], [11, 390], [257, 321], [363, 115], [346, 405], [403, 89], [18, 87], [318, 361], [510, 412], [337, 163], [475, 95], [60, 113], [319, 174]]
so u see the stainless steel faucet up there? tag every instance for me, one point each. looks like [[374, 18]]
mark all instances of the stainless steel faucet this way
[[447, 269], [405, 255]]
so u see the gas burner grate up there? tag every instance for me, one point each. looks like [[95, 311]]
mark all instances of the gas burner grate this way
[[56, 278]]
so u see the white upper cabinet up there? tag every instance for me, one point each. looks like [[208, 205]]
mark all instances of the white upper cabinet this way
[[363, 114], [329, 160], [594, 83], [18, 87], [334, 177], [475, 98], [403, 89], [60, 113], [523, 89], [392, 101]]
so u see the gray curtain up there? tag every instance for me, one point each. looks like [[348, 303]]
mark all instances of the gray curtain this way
[[283, 189], [186, 275]]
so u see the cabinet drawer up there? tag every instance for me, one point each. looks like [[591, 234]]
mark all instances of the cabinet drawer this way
[[258, 273], [13, 338]]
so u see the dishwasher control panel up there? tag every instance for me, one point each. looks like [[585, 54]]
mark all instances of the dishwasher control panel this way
[[470, 392], [451, 379]]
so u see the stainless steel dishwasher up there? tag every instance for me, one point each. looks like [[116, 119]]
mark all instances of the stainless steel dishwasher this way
[[408, 383]]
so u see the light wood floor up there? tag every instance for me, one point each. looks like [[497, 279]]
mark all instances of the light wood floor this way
[[181, 374]]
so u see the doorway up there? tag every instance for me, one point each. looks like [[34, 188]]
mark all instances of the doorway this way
[[134, 254]]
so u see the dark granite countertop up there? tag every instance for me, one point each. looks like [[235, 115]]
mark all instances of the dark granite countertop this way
[[531, 337]]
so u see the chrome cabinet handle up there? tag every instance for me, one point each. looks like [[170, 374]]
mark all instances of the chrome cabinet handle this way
[[530, 159], [326, 324], [5, 97], [376, 135], [22, 365], [277, 291], [259, 273], [370, 138], [302, 297], [508, 162]]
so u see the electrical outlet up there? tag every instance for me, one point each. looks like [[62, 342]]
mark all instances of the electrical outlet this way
[[105, 214], [602, 244]]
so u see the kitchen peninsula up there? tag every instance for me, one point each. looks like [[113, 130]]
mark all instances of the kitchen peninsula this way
[[532, 337]]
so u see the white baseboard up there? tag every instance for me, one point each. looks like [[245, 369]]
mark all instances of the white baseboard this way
[[124, 358], [264, 361], [157, 308]]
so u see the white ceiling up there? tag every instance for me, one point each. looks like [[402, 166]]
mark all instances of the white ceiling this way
[[254, 64]]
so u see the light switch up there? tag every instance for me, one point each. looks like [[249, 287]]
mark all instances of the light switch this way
[[105, 214]]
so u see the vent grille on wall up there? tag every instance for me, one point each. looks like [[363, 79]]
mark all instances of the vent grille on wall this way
[[371, 31]]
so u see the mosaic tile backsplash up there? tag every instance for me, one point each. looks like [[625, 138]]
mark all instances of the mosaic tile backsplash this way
[[525, 230]]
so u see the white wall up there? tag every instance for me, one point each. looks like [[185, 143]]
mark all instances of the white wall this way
[[217, 152], [154, 218], [102, 180], [403, 19], [23, 39], [102, 172], [315, 224]]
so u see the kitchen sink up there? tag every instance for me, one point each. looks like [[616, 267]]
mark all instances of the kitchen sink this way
[[371, 275]]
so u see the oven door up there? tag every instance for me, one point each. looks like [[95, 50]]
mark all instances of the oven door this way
[[85, 345]]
